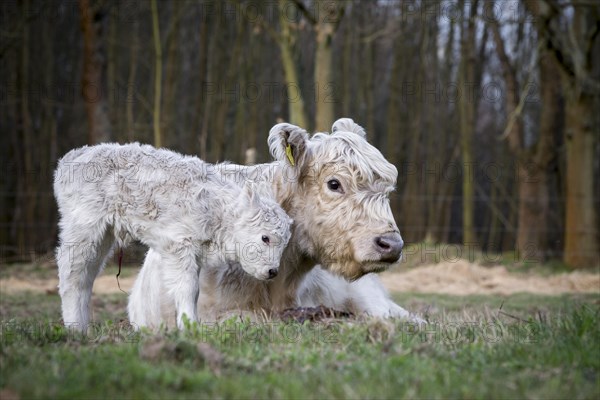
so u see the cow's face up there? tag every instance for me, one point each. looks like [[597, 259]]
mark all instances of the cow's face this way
[[340, 199]]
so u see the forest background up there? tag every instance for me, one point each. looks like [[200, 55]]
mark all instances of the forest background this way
[[489, 109]]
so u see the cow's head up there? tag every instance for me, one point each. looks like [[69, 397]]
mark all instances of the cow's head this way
[[338, 187]]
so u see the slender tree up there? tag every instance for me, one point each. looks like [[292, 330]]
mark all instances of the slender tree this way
[[157, 75], [131, 80], [94, 64], [286, 39], [467, 120], [325, 23]]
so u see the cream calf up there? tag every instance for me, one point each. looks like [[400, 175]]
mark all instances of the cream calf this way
[[111, 194]]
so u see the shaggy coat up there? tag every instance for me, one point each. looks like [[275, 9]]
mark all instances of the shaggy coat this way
[[111, 194], [335, 187]]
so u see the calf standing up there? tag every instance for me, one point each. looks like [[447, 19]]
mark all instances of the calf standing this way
[[110, 194]]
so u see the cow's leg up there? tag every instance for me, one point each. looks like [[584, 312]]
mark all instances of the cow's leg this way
[[369, 295], [82, 253], [363, 296], [320, 287]]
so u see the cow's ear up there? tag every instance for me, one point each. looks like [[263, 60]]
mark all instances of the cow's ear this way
[[348, 125], [288, 143]]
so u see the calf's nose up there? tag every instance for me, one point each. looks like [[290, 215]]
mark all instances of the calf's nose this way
[[389, 246]]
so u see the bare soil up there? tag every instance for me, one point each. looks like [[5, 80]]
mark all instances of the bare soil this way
[[457, 278], [105, 284], [464, 278]]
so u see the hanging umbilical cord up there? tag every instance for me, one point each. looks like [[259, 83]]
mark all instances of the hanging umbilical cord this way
[[119, 273]]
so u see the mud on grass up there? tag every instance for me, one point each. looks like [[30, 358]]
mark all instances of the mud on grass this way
[[533, 346]]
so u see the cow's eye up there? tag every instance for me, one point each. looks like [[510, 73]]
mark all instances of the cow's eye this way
[[334, 185], [266, 239]]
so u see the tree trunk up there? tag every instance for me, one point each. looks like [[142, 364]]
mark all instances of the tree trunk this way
[[131, 79], [533, 211], [286, 41], [368, 89], [414, 206], [467, 125], [581, 235], [393, 148], [535, 224], [449, 147], [580, 66], [324, 85], [205, 44], [157, 76], [532, 163], [169, 110], [211, 79], [111, 76], [49, 152], [327, 20], [396, 124], [346, 80], [27, 192], [237, 151], [230, 93], [94, 63], [434, 150], [251, 127]]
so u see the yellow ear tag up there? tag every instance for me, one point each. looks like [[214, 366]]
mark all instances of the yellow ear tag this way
[[288, 153]]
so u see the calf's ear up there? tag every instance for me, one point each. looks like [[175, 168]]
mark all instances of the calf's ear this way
[[250, 192], [288, 143], [348, 125]]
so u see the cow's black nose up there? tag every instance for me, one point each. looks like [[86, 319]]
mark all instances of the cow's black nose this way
[[389, 246], [273, 273]]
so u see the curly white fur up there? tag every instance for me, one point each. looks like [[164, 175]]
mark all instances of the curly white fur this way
[[109, 194], [335, 229]]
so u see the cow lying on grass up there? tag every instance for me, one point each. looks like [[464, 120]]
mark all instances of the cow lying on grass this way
[[110, 194], [335, 187]]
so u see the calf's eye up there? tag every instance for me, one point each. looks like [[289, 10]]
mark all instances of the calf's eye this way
[[334, 185], [266, 239]]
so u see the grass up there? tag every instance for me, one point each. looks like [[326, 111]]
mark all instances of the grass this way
[[520, 346]]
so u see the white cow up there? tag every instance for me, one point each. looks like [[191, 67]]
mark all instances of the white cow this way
[[335, 187]]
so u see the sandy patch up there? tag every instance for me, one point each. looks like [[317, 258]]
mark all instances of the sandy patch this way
[[105, 284], [462, 278], [459, 278]]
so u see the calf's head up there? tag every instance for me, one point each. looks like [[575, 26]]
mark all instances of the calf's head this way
[[337, 192], [260, 230]]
